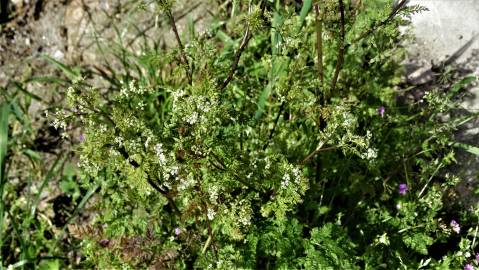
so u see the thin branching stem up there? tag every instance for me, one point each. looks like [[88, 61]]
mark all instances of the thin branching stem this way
[[185, 61], [238, 178], [204, 204], [135, 164], [274, 126], [244, 43], [396, 9], [339, 62], [211, 236], [319, 43], [318, 150], [246, 38]]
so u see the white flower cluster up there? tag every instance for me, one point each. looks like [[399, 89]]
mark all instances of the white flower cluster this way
[[119, 140], [192, 108], [285, 181], [370, 154], [177, 94], [160, 154], [192, 118], [203, 104], [71, 93], [437, 99], [92, 168], [186, 183], [59, 119], [342, 132], [349, 120], [125, 92], [57, 123], [171, 172], [211, 214], [296, 173], [267, 165], [213, 193], [197, 150], [141, 105], [244, 215]]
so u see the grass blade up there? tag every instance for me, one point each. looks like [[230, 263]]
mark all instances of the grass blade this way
[[26, 92], [4, 113], [91, 191], [469, 148], [304, 12], [51, 172], [278, 65], [72, 74]]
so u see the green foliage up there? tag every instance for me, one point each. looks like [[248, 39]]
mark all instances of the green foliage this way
[[233, 151], [30, 227]]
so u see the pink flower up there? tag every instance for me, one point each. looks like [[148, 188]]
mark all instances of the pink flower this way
[[455, 226], [477, 257], [177, 231], [403, 188], [381, 111], [468, 267]]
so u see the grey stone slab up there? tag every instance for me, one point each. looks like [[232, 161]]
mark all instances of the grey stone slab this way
[[449, 33]]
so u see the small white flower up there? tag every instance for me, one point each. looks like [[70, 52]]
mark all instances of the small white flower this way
[[159, 153], [124, 92], [213, 192], [147, 142], [177, 94], [370, 154], [192, 119], [267, 166], [119, 140], [211, 214], [285, 182]]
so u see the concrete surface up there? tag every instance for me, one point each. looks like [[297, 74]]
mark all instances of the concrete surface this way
[[449, 34]]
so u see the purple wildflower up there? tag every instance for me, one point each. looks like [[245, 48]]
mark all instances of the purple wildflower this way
[[403, 188], [104, 242], [455, 226], [381, 111], [477, 257], [468, 267], [177, 231], [81, 137]]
